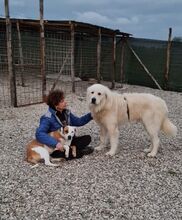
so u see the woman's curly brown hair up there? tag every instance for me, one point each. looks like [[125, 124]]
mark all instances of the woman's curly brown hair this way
[[54, 97]]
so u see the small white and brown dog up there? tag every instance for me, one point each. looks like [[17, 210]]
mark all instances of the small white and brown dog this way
[[37, 151]]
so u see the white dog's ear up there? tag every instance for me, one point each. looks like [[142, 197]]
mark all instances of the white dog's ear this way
[[75, 130], [61, 130]]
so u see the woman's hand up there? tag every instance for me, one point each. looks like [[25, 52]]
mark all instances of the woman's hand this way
[[59, 146]]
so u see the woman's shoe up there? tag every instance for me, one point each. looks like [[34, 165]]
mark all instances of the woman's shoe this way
[[87, 150]]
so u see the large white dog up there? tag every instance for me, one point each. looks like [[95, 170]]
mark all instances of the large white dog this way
[[110, 109]]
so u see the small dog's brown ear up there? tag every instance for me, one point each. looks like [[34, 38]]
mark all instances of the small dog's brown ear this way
[[61, 130]]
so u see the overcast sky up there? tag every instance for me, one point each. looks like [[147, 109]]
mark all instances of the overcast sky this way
[[142, 18]]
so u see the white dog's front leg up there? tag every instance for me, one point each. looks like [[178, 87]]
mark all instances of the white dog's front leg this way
[[155, 142], [66, 147], [103, 139], [114, 136]]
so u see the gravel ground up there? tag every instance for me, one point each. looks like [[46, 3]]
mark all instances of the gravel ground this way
[[126, 186]]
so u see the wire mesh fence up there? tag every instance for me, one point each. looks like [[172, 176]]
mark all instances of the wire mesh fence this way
[[58, 57], [4, 80], [60, 47], [59, 60], [26, 62]]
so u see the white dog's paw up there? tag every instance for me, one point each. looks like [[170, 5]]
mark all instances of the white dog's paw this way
[[147, 150], [100, 147], [110, 153], [151, 154], [52, 164]]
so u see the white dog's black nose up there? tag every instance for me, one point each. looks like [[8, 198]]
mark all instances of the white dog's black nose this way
[[93, 100], [69, 137]]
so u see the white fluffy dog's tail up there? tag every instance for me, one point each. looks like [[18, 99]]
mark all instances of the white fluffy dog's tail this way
[[169, 128]]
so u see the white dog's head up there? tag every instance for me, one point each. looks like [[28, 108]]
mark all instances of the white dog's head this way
[[68, 132], [97, 97]]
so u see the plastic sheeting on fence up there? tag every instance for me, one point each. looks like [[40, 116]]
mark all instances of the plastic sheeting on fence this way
[[153, 55]]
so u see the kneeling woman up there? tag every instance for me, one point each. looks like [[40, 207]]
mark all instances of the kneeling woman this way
[[59, 116]]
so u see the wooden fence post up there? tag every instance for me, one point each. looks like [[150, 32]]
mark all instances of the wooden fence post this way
[[81, 56], [122, 58], [98, 55], [73, 56], [113, 62], [21, 54], [12, 78], [42, 49], [166, 73]]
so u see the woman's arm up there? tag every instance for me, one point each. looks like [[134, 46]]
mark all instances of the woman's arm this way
[[42, 133], [80, 121]]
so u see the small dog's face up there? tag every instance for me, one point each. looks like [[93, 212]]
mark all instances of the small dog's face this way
[[68, 132], [95, 94]]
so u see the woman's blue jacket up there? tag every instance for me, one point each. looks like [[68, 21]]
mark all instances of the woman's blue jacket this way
[[50, 122]]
